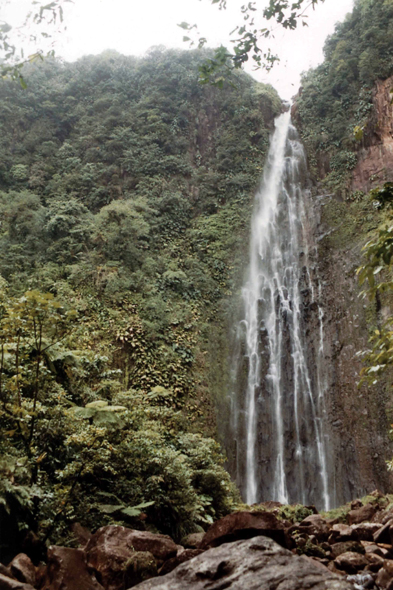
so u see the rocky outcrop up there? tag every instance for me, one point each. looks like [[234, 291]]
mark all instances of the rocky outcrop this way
[[257, 563], [139, 567], [243, 525], [375, 163], [182, 556], [235, 552], [23, 569], [357, 423], [192, 541], [357, 418], [67, 570], [7, 583], [111, 548]]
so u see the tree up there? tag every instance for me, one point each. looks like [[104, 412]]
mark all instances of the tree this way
[[29, 327], [247, 37]]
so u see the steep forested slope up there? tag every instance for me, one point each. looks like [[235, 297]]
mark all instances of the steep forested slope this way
[[336, 99], [126, 191]]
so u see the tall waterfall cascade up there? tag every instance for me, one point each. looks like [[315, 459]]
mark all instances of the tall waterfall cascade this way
[[279, 401]]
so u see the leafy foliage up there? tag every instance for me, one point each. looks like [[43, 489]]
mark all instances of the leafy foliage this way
[[335, 103], [375, 275], [125, 194], [136, 450]]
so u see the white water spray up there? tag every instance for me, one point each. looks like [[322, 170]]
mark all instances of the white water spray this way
[[283, 402]]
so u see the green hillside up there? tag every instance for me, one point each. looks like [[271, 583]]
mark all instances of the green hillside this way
[[126, 190]]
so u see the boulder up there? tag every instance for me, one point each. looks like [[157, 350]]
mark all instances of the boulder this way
[[350, 562], [7, 583], [180, 550], [5, 571], [318, 561], [378, 494], [385, 576], [364, 531], [375, 562], [385, 516], [111, 547], [192, 541], [307, 547], [370, 547], [340, 532], [182, 557], [22, 569], [253, 564], [67, 570], [244, 525], [355, 504], [315, 525], [40, 574], [140, 567], [33, 547], [325, 546], [332, 568], [361, 514], [81, 533], [382, 535], [345, 546], [385, 551]]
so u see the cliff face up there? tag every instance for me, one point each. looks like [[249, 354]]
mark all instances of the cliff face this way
[[358, 417], [358, 420], [375, 163]]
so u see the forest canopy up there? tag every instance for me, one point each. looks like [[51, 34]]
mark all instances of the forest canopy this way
[[126, 190]]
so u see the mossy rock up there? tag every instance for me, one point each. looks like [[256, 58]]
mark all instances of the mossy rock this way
[[141, 566]]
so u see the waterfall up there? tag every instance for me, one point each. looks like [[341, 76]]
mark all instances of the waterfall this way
[[279, 375]]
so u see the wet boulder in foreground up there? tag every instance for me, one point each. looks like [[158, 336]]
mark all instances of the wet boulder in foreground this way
[[256, 564]]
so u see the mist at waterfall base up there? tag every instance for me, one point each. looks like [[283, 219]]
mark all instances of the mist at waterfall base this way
[[278, 416]]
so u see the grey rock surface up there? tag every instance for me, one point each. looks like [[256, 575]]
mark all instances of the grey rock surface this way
[[255, 564]]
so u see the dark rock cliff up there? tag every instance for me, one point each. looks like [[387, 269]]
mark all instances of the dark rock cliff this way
[[359, 417], [375, 162]]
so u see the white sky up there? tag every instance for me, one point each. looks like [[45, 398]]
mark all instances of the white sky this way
[[132, 26]]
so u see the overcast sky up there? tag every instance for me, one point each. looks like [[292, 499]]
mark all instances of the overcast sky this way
[[132, 26]]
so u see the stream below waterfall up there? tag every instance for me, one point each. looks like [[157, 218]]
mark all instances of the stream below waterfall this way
[[278, 415]]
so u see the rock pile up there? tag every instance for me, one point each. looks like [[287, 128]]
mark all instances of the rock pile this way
[[248, 549]]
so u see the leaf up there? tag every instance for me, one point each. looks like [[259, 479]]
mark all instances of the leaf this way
[[84, 412], [136, 510], [109, 508], [97, 404], [144, 505], [107, 419], [131, 512], [115, 409]]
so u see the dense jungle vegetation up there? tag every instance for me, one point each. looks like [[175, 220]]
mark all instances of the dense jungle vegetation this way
[[335, 101], [125, 196]]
